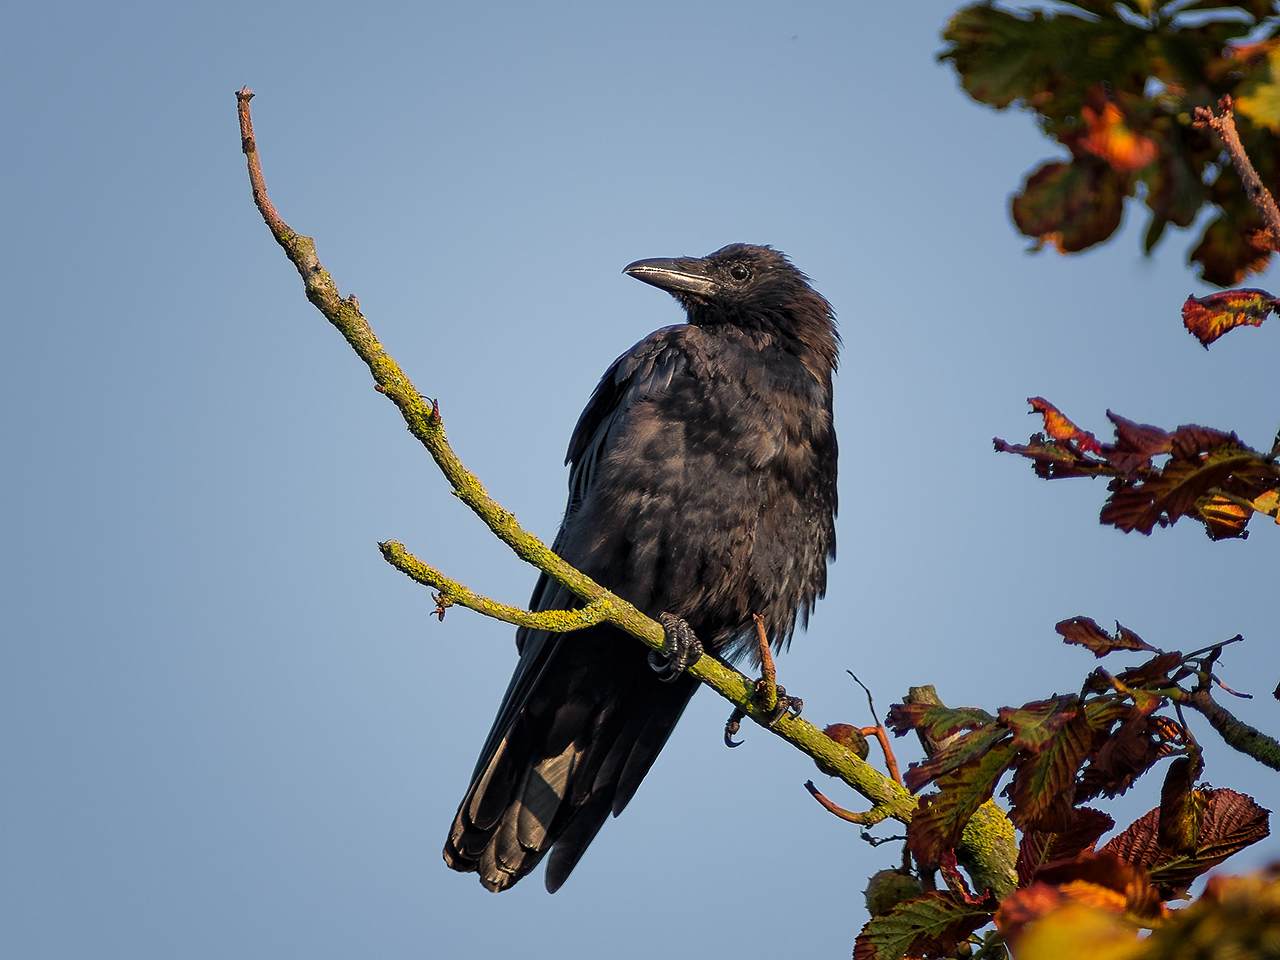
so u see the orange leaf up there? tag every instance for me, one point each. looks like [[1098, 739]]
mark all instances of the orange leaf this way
[[1060, 428], [1210, 317], [1112, 140]]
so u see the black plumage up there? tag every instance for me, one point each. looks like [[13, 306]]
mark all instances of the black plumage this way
[[703, 485]]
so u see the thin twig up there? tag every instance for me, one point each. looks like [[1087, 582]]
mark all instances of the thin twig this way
[[881, 734]]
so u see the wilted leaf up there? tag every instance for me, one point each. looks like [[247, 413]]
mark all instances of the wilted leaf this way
[[1226, 254], [1210, 317], [1052, 460], [1136, 444], [1121, 759], [1034, 725], [1163, 497], [1154, 670], [956, 753], [935, 720], [1087, 633], [927, 926], [940, 817], [1060, 428]]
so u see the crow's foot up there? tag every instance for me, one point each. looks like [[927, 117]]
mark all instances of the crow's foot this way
[[785, 705], [680, 649]]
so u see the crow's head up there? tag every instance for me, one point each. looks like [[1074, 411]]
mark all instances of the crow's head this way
[[756, 289]]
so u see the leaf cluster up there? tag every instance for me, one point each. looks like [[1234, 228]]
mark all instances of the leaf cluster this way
[[1117, 85], [1062, 752], [1202, 473]]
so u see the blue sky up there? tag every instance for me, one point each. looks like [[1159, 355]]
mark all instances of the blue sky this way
[[229, 729]]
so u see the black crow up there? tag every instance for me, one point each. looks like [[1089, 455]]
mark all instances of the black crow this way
[[702, 488]]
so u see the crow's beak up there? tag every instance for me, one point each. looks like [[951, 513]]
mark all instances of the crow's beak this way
[[684, 275]]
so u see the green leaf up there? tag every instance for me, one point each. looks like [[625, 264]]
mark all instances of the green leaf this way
[[1043, 61], [927, 926]]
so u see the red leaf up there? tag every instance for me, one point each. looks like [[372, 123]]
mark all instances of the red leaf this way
[[1230, 822], [1040, 847]]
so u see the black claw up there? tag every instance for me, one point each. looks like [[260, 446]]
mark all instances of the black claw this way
[[731, 727], [791, 705], [680, 649]]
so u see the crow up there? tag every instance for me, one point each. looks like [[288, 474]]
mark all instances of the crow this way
[[702, 489]]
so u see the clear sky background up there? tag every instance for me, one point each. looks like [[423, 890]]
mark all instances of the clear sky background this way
[[228, 728]]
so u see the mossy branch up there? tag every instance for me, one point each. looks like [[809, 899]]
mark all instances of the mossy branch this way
[[1238, 734], [424, 422]]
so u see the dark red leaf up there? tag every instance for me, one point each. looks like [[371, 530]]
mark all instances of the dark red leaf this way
[[1230, 822], [1040, 847], [1087, 633]]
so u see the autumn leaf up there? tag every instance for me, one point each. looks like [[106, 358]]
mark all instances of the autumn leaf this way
[[1044, 783], [927, 926], [1097, 881], [1110, 138], [1071, 206], [1259, 96], [940, 817], [1181, 805], [1136, 444], [934, 720], [1115, 85], [956, 753], [1208, 318], [1086, 632], [1060, 428], [1229, 822], [1122, 758], [1041, 847]]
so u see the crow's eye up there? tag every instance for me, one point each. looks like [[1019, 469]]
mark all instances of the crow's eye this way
[[739, 272]]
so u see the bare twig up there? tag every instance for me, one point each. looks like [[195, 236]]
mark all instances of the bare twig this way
[[881, 734], [425, 424], [1225, 127]]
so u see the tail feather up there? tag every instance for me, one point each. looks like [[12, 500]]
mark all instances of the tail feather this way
[[576, 750]]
